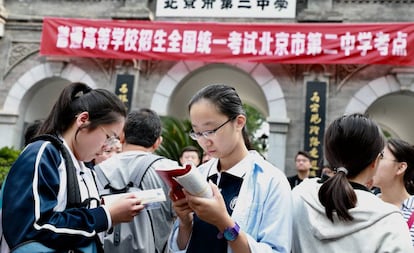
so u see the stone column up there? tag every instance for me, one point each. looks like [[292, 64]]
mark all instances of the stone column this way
[[3, 17], [278, 129]]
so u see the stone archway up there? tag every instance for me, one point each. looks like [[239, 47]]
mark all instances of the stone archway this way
[[371, 92], [12, 120], [69, 72], [264, 79], [389, 102]]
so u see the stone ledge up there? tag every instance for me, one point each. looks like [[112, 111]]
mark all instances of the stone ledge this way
[[8, 118]]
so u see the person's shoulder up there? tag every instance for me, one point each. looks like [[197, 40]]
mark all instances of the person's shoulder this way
[[110, 162], [307, 191], [46, 148], [164, 162], [267, 170], [260, 161], [293, 177], [370, 203], [409, 202]]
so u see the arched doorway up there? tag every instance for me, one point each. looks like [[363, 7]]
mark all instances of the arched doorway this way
[[33, 95], [394, 113], [389, 103], [255, 84]]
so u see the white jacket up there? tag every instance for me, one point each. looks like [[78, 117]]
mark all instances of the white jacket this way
[[377, 226]]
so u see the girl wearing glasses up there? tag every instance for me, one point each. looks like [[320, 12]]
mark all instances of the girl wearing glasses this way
[[341, 214], [35, 212], [394, 177], [251, 207]]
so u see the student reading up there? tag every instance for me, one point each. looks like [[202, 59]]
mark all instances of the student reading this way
[[252, 210]]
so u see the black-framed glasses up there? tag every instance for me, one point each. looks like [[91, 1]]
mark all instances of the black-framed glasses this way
[[208, 133], [111, 140]]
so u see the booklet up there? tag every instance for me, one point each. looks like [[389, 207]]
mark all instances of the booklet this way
[[189, 178], [147, 197]]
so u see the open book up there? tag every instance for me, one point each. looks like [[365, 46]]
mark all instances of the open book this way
[[189, 178]]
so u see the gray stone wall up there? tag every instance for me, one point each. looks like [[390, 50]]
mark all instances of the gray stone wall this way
[[20, 45]]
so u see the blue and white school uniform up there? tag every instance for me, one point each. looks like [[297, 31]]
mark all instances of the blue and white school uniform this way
[[34, 201], [262, 207]]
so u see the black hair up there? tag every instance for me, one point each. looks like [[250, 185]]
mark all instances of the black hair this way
[[303, 153], [404, 152], [142, 127], [190, 148], [31, 131], [103, 107], [353, 142], [227, 102]]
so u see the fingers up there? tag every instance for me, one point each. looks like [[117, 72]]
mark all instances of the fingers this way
[[137, 209], [216, 191]]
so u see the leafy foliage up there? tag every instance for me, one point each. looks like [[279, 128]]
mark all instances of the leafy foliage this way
[[7, 158], [254, 121], [175, 137]]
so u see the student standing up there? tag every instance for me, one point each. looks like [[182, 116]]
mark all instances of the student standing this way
[[149, 231], [395, 178], [251, 207], [35, 212], [303, 166], [342, 215]]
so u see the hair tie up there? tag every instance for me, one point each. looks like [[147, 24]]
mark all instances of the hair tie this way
[[342, 169]]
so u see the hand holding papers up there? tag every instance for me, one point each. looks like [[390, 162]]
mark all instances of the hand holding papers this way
[[147, 197]]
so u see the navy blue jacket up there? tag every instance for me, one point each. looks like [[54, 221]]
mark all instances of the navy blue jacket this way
[[34, 202]]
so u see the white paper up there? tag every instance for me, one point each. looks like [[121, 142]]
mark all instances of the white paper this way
[[146, 197], [195, 183]]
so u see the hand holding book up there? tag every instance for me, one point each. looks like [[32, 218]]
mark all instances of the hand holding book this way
[[189, 178]]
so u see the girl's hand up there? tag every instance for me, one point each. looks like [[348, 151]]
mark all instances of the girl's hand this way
[[211, 210], [125, 209], [183, 210]]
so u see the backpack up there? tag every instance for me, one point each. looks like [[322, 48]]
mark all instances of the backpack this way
[[125, 237], [73, 200]]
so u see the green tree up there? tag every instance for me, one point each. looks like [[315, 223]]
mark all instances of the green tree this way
[[254, 121], [7, 157], [175, 137]]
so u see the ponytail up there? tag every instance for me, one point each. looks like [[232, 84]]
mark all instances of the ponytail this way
[[337, 194]]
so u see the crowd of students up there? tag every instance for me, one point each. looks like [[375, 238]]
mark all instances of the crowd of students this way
[[58, 207]]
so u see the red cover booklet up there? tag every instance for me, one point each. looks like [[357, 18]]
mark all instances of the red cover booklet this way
[[189, 178]]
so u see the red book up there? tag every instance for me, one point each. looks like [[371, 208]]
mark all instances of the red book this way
[[188, 177]]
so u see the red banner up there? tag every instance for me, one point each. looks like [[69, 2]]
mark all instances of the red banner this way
[[329, 43]]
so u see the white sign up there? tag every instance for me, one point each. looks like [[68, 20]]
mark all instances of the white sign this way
[[227, 8]]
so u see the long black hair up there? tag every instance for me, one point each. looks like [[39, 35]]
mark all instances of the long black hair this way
[[103, 106], [352, 142]]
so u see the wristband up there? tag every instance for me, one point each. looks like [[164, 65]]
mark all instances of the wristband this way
[[230, 233]]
